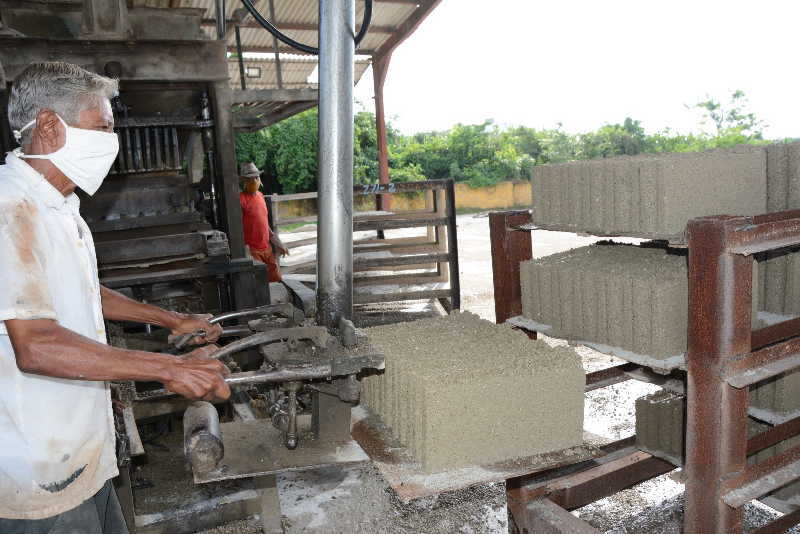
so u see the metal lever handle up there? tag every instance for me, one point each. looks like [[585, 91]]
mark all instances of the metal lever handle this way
[[284, 309]]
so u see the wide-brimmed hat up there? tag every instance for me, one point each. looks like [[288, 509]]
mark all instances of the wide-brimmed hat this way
[[249, 170]]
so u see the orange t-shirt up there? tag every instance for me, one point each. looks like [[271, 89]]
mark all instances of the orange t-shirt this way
[[255, 220]]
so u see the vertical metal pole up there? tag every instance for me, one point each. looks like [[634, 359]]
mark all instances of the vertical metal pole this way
[[221, 14], [720, 293], [241, 59], [335, 182], [278, 70], [452, 247]]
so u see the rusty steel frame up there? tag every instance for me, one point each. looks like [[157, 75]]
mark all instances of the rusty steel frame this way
[[532, 498], [723, 357], [509, 247]]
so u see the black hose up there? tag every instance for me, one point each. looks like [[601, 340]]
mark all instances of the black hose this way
[[362, 32], [267, 25]]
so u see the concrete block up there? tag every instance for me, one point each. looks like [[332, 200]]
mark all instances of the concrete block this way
[[629, 297], [778, 395], [623, 296], [661, 429], [459, 391], [650, 196]]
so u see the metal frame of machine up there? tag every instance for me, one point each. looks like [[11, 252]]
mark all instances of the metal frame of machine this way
[[724, 357]]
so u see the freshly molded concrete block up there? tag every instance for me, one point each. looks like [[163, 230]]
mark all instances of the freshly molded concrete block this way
[[779, 395], [661, 425], [629, 297], [661, 429], [781, 270], [625, 296], [650, 196], [459, 391]]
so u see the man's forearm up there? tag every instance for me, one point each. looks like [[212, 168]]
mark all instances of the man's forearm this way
[[44, 347], [118, 307]]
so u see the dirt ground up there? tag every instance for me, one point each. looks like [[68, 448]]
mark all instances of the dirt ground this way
[[357, 500]]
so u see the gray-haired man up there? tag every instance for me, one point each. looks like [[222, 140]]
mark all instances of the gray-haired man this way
[[56, 428]]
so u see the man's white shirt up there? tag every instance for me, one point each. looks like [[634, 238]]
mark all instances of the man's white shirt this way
[[57, 439]]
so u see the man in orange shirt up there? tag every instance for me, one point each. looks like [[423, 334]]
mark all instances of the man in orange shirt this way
[[257, 234]]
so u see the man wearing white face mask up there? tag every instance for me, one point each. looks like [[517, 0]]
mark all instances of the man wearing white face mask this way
[[56, 427]]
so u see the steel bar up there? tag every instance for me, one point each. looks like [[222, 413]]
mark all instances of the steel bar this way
[[317, 334], [753, 238], [762, 478], [775, 333], [370, 298], [609, 376], [579, 484], [282, 375], [324, 370], [720, 299], [278, 68], [220, 13], [543, 516], [509, 248], [176, 149], [157, 131], [335, 183], [605, 480], [773, 436], [416, 259], [780, 525], [242, 80], [775, 216], [389, 224], [746, 369], [452, 246]]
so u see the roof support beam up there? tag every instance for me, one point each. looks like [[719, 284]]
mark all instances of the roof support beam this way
[[274, 95], [379, 69], [401, 33], [292, 26], [288, 50]]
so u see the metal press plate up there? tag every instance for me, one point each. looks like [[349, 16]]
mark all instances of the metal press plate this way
[[410, 482], [255, 448]]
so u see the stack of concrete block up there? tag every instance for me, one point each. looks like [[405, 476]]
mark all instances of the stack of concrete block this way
[[779, 395], [781, 271], [661, 424], [661, 431], [649, 196], [624, 296], [459, 391]]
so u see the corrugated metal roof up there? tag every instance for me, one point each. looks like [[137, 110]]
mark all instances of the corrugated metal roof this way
[[295, 72], [388, 22], [384, 14]]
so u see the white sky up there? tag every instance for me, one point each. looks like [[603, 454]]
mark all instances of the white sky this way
[[585, 63]]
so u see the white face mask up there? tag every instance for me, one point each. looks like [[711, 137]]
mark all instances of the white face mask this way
[[85, 158]]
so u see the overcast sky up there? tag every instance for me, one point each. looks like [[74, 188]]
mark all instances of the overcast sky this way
[[584, 63]]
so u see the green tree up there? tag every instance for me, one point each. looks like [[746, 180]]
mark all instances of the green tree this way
[[731, 118]]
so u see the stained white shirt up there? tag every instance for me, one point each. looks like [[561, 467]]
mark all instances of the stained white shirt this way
[[57, 440]]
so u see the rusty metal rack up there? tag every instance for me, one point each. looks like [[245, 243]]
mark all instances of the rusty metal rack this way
[[418, 267], [540, 502], [724, 357]]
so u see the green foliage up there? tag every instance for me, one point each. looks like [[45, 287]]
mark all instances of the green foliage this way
[[483, 154]]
